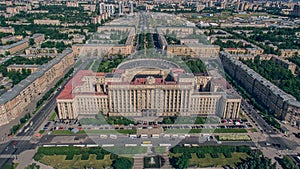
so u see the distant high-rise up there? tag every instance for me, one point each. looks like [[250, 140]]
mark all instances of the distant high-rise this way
[[101, 8], [131, 7], [238, 5], [296, 10], [106, 8], [120, 8]]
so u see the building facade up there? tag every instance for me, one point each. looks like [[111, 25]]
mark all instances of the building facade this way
[[15, 101], [144, 88], [273, 98]]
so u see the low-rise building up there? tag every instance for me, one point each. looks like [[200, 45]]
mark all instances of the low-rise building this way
[[194, 50], [30, 51], [15, 47], [9, 29], [285, 64], [20, 67], [38, 38], [287, 53], [46, 22]]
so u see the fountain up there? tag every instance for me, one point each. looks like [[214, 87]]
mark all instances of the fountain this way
[[152, 160]]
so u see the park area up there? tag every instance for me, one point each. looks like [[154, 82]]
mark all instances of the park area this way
[[59, 161], [234, 137], [219, 160], [208, 156], [80, 157]]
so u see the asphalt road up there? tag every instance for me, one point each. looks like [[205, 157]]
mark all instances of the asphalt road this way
[[265, 127], [121, 140], [18, 145], [22, 140], [252, 113]]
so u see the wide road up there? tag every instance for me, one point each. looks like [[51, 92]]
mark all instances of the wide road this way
[[265, 127], [23, 140], [121, 140], [253, 115]]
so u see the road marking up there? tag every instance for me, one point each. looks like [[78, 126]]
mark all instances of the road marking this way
[[24, 138], [5, 156]]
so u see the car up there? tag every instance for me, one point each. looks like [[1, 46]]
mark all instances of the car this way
[[113, 136], [166, 135], [103, 136]]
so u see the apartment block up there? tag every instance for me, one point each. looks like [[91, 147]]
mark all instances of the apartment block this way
[[15, 101], [46, 22], [276, 101]]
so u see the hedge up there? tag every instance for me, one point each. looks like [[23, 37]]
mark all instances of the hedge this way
[[227, 155], [210, 149], [85, 156], [200, 155], [69, 157], [70, 152], [214, 155]]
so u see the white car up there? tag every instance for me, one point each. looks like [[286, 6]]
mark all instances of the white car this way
[[167, 135], [103, 136], [113, 136]]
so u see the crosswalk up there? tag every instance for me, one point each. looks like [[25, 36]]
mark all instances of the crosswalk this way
[[22, 138], [5, 156], [138, 162]]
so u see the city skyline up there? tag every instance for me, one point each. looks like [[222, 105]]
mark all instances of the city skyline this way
[[149, 84]]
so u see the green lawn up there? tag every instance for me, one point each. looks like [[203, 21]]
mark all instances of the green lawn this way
[[58, 161], [111, 131], [219, 162], [52, 118], [66, 132], [160, 150], [228, 130], [247, 16], [242, 116], [233, 137], [127, 131], [253, 130], [127, 150]]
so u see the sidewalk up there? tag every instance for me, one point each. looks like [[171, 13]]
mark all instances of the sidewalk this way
[[26, 158]]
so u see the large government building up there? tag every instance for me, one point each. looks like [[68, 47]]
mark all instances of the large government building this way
[[144, 88]]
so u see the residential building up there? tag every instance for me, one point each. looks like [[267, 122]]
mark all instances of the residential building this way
[[269, 95], [15, 101]]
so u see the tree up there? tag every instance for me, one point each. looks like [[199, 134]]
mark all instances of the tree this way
[[182, 162], [256, 162], [33, 166], [31, 41], [122, 163], [287, 163], [8, 166]]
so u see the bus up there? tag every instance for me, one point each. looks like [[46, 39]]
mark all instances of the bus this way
[[26, 129], [146, 142]]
